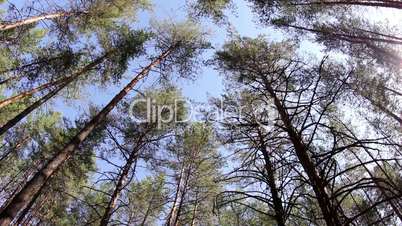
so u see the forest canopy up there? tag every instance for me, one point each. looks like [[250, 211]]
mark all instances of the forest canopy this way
[[200, 112]]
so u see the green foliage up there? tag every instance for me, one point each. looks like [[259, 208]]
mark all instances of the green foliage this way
[[210, 8], [104, 14], [145, 201], [123, 44], [186, 39], [240, 55], [239, 215]]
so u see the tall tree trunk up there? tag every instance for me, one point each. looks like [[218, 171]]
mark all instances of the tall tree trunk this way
[[377, 52], [146, 215], [174, 212], [28, 207], [380, 107], [69, 79], [384, 193], [34, 19], [38, 62], [14, 149], [22, 199], [318, 184], [14, 99], [14, 121], [346, 37], [66, 81], [194, 216], [144, 220], [121, 183], [385, 4], [279, 211], [181, 191]]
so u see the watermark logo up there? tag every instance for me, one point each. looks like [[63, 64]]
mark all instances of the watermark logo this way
[[148, 110]]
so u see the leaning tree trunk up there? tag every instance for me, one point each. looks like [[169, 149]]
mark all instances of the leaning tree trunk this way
[[347, 37], [121, 183], [34, 19], [7, 80], [318, 184], [376, 182], [23, 197], [18, 68], [69, 79], [179, 197], [278, 207], [146, 215], [382, 108], [12, 122], [383, 4], [14, 99], [378, 52], [66, 81], [194, 215]]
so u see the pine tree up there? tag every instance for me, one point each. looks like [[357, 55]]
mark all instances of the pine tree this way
[[183, 45]]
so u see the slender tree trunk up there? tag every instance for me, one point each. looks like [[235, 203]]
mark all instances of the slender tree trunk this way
[[22, 199], [14, 121], [69, 79], [174, 213], [181, 191], [279, 211], [194, 216], [383, 109], [7, 80], [34, 19], [346, 37], [385, 4], [144, 220], [378, 52], [329, 213], [14, 99], [14, 149], [121, 183], [395, 92], [392, 204], [21, 67]]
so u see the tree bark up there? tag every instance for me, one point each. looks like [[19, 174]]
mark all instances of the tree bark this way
[[279, 211], [12, 122], [29, 93], [121, 183], [64, 80], [34, 19], [384, 4], [144, 220], [175, 211], [383, 109], [194, 216], [349, 37], [329, 213], [22, 199], [384, 193]]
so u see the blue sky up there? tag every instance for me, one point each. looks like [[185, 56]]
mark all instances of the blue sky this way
[[207, 83]]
